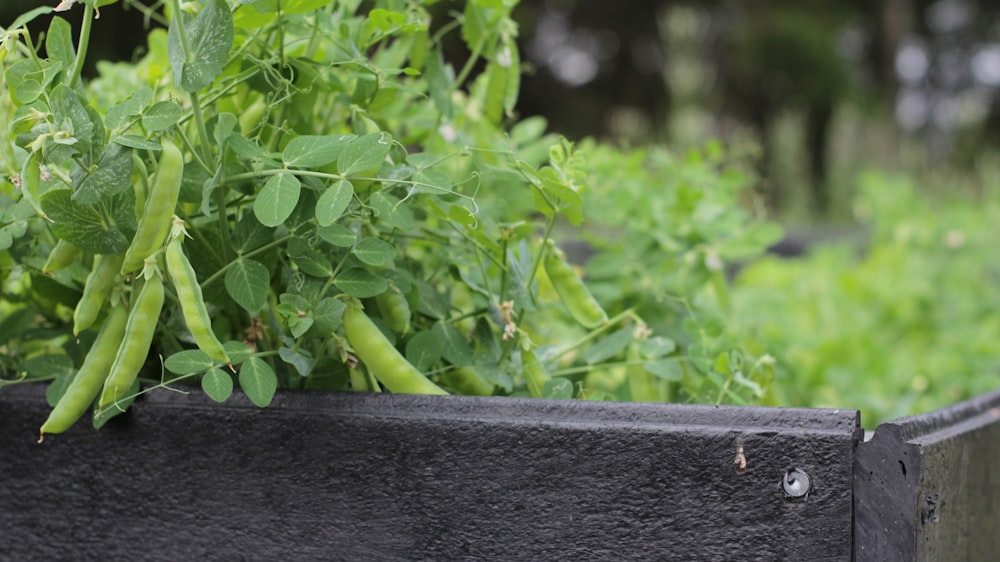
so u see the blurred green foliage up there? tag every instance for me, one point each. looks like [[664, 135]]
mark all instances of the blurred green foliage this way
[[903, 325]]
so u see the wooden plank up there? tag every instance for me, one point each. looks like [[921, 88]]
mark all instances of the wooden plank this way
[[928, 486], [381, 477]]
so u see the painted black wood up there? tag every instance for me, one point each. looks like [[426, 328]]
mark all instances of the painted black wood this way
[[927, 487], [380, 477]]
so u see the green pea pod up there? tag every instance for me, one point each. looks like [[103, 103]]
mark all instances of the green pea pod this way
[[535, 375], [359, 383], [251, 117], [395, 310], [641, 384], [468, 381], [96, 290], [136, 341], [140, 184], [31, 181], [158, 214], [192, 302], [381, 358], [572, 292], [62, 255], [87, 383]]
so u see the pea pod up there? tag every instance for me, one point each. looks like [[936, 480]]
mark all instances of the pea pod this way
[[158, 212], [362, 381], [96, 290], [31, 180], [468, 381], [381, 358], [572, 292], [641, 384], [62, 255], [395, 310], [136, 341], [192, 302], [87, 383], [535, 375]]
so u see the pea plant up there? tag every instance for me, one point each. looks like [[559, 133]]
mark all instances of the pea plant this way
[[307, 194]]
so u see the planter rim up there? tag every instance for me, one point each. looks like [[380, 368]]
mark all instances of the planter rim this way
[[635, 415]]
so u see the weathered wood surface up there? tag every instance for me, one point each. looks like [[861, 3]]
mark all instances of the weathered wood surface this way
[[380, 477], [927, 487]]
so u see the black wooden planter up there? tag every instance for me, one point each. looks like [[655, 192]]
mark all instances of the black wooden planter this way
[[379, 477]]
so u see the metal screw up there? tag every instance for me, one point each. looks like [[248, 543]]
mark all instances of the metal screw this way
[[796, 483]]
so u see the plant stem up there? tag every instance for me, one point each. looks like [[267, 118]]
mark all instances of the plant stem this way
[[83, 45], [538, 258], [215, 276], [206, 144]]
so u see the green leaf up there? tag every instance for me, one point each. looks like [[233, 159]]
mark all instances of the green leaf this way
[[440, 77], [333, 202], [313, 151], [286, 7], [224, 127], [111, 176], [49, 364], [751, 242], [496, 88], [391, 212], [360, 283], [666, 369], [59, 43], [209, 39], [301, 360], [217, 384], [328, 315], [238, 352], [656, 347], [247, 149], [509, 57], [375, 252], [277, 199], [28, 91], [309, 260], [29, 16], [249, 234], [557, 389], [70, 116], [455, 348], [120, 113], [103, 228], [248, 282], [338, 235], [57, 388], [135, 141], [188, 362], [424, 350], [258, 381], [161, 116], [364, 153], [609, 346]]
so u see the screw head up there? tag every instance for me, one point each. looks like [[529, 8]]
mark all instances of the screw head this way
[[796, 483]]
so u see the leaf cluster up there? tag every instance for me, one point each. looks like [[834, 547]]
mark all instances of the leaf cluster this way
[[332, 155]]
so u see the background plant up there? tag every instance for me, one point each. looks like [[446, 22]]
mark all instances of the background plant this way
[[897, 324]]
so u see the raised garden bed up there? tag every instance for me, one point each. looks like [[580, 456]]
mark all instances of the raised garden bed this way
[[379, 477]]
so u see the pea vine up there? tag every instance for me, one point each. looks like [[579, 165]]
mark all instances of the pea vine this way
[[305, 194]]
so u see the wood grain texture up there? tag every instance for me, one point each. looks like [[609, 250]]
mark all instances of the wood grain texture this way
[[928, 486], [382, 477]]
